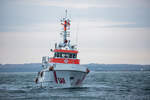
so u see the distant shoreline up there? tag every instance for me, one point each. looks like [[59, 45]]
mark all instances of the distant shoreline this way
[[35, 67]]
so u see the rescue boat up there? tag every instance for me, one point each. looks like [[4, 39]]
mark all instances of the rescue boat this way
[[63, 69]]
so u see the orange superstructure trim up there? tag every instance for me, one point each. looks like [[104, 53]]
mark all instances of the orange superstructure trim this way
[[64, 60]]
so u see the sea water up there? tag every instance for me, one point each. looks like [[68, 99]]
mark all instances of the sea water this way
[[98, 85]]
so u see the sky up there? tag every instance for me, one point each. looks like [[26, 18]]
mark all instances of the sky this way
[[105, 31]]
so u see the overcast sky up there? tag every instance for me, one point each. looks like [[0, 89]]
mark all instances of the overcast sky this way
[[109, 31]]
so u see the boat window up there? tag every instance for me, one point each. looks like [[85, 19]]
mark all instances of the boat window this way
[[60, 54], [57, 54], [70, 55], [65, 55], [74, 55]]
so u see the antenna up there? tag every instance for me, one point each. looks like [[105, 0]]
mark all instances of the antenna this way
[[66, 12], [77, 33]]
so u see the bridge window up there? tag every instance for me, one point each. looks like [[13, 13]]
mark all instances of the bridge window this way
[[74, 55], [70, 55], [65, 55], [58, 55]]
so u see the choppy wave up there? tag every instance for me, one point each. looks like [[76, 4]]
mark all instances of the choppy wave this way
[[100, 85]]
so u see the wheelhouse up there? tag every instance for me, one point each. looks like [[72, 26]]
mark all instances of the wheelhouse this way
[[65, 56]]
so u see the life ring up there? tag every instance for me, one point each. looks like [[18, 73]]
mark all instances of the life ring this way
[[51, 68]]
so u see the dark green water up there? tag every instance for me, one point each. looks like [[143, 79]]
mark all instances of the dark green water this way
[[101, 85]]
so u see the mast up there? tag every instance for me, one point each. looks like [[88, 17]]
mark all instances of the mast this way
[[65, 21], [66, 24]]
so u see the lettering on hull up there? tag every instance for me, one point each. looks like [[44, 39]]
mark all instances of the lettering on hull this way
[[61, 80]]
